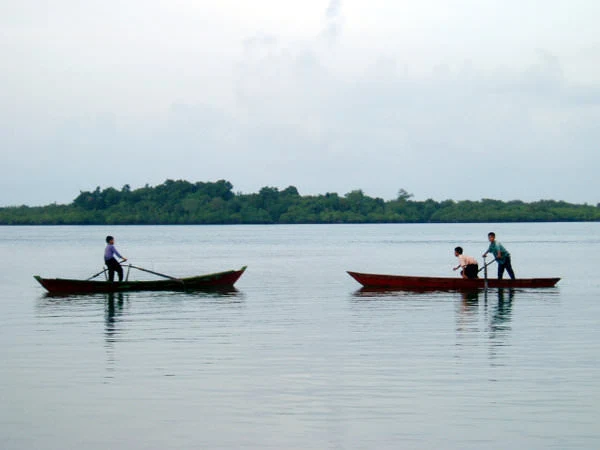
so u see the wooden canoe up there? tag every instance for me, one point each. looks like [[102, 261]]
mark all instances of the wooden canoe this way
[[218, 280], [370, 280]]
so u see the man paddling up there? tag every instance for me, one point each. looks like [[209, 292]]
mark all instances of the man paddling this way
[[111, 262], [502, 256]]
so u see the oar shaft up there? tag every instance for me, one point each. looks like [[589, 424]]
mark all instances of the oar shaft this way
[[99, 273], [485, 277], [154, 273], [485, 265]]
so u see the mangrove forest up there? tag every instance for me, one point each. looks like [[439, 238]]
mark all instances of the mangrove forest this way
[[183, 202]]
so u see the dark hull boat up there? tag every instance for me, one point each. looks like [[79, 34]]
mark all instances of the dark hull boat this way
[[220, 280], [370, 280]]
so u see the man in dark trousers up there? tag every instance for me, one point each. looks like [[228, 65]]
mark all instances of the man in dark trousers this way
[[501, 255], [111, 262]]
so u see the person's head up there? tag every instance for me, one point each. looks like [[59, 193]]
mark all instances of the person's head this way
[[458, 251], [110, 239], [491, 236]]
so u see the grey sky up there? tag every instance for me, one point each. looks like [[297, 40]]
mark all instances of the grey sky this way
[[466, 99]]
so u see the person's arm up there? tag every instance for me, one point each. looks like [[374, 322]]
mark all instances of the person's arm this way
[[118, 254], [460, 264]]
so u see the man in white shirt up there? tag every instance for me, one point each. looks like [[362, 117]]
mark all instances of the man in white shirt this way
[[468, 264]]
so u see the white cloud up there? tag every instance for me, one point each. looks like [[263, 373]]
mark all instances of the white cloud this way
[[327, 96]]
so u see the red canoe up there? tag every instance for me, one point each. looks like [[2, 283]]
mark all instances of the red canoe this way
[[218, 280], [370, 280]]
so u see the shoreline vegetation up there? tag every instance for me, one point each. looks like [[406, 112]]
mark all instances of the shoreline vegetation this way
[[214, 203]]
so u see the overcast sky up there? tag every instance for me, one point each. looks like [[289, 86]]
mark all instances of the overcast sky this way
[[462, 99]]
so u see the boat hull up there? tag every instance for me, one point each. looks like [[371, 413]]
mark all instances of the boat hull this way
[[445, 283], [211, 281]]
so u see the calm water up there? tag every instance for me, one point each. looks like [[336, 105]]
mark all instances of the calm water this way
[[298, 357]]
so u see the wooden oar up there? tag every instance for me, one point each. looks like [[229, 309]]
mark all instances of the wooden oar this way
[[94, 276], [154, 273], [485, 265], [485, 280], [101, 272]]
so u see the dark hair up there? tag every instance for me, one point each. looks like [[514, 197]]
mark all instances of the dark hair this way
[[491, 233], [458, 250], [109, 238]]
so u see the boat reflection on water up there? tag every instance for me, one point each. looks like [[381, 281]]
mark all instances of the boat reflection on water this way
[[487, 311], [500, 313], [117, 305], [132, 317], [115, 302], [219, 291], [374, 292]]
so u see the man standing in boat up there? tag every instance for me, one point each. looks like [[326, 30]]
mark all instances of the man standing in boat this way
[[111, 262], [468, 264], [501, 255]]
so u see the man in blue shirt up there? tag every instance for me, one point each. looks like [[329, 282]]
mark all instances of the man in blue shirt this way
[[502, 256], [111, 262]]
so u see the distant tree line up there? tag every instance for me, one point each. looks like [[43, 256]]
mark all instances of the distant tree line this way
[[182, 202]]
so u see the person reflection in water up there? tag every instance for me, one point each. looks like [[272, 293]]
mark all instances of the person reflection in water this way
[[112, 309], [501, 317], [111, 262], [467, 263]]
